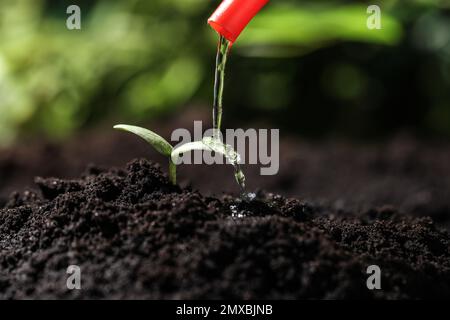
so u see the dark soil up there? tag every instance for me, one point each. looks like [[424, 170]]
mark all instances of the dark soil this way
[[404, 172], [136, 236]]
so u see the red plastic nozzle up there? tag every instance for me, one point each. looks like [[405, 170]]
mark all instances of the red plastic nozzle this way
[[232, 16]]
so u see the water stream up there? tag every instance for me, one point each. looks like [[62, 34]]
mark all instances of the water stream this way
[[219, 79]]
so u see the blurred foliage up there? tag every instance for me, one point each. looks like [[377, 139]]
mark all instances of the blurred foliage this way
[[312, 26], [127, 56], [310, 60]]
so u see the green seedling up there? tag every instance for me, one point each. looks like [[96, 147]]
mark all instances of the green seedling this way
[[211, 144], [156, 141]]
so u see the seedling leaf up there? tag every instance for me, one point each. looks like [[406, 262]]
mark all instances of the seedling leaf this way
[[208, 144], [158, 142]]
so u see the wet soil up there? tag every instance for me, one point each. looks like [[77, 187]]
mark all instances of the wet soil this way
[[134, 235], [344, 205], [410, 174]]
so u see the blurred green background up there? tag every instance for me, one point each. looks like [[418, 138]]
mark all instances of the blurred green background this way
[[310, 67]]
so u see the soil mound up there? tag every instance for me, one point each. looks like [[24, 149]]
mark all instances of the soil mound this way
[[134, 235]]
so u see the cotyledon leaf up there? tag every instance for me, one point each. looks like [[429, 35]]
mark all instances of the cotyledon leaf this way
[[158, 142], [208, 144]]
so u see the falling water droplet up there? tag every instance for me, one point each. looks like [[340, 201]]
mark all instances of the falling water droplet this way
[[240, 177], [235, 213], [250, 196]]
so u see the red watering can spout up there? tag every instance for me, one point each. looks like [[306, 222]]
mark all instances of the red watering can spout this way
[[232, 16]]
